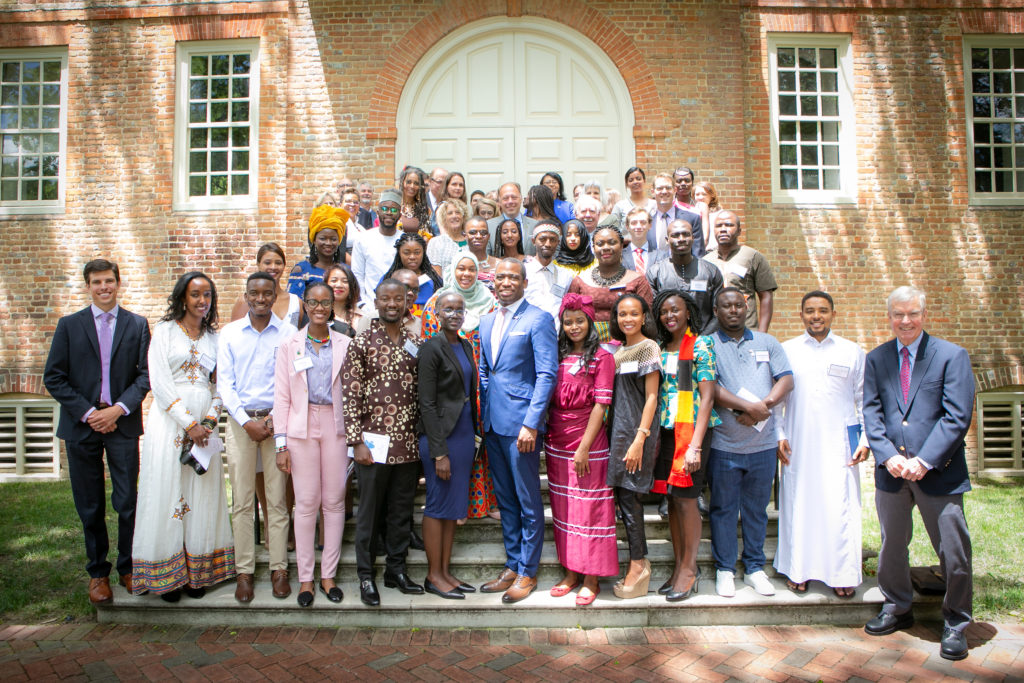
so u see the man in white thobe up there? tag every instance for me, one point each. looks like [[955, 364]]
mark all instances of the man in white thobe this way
[[823, 441]]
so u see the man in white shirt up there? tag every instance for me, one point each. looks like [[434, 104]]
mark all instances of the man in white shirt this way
[[823, 440], [246, 350], [374, 250], [547, 282]]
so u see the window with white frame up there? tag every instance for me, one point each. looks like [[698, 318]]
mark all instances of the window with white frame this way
[[216, 125], [33, 126], [995, 118], [812, 138]]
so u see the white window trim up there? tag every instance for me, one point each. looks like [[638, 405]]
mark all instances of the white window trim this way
[[989, 41], [847, 194], [184, 52], [40, 206]]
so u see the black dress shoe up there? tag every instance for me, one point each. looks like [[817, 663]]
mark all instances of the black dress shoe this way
[[679, 596], [663, 507], [886, 623], [665, 587], [454, 594], [368, 593], [195, 593], [403, 583], [415, 540], [465, 588], [953, 645], [334, 595], [172, 596], [305, 598]]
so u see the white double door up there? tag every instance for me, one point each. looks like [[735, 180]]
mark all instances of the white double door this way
[[502, 103]]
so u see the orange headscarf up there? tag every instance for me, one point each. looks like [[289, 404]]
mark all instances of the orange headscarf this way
[[326, 217]]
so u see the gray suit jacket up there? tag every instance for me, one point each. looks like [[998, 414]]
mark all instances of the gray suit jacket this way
[[652, 257], [932, 424], [527, 225]]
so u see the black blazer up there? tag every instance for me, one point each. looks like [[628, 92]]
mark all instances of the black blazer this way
[[72, 374], [441, 391]]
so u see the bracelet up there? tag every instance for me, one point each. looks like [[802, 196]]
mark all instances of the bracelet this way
[[209, 423], [645, 430], [192, 424], [281, 449]]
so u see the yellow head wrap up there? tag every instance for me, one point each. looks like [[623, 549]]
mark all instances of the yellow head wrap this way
[[328, 218]]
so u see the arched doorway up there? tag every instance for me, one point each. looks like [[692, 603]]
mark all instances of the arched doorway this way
[[510, 99]]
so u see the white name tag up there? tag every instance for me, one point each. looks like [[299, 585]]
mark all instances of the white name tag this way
[[516, 334], [737, 269], [698, 285], [424, 278], [610, 347], [304, 363], [840, 371], [576, 367], [629, 367], [411, 348], [761, 356], [558, 290], [208, 363]]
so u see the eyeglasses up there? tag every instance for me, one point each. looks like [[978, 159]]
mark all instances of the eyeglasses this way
[[321, 303], [453, 312], [388, 209]]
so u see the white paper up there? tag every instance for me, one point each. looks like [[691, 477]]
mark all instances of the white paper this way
[[629, 367], [838, 371], [424, 278], [737, 269], [303, 363], [748, 395], [698, 285], [208, 363], [411, 348], [378, 445], [762, 357], [204, 454]]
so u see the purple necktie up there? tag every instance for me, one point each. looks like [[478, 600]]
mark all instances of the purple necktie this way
[[106, 336], [905, 373]]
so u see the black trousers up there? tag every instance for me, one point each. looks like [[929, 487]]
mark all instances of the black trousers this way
[[633, 520], [386, 494], [85, 468]]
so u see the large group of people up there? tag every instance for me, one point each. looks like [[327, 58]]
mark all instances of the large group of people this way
[[464, 338]]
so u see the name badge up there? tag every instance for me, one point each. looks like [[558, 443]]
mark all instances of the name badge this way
[[424, 278], [840, 371], [558, 290], [208, 363], [617, 287], [303, 363], [576, 367], [737, 269], [761, 356], [411, 348], [698, 285], [629, 367]]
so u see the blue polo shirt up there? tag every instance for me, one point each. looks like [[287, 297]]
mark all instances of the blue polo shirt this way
[[754, 362]]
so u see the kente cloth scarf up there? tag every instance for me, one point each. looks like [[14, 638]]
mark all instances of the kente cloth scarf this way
[[679, 477]]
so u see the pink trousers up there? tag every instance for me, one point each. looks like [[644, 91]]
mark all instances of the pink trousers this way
[[319, 469]]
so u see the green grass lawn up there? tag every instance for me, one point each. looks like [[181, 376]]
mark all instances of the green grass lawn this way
[[43, 579], [995, 515]]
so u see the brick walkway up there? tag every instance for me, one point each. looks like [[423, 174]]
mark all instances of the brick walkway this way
[[95, 652]]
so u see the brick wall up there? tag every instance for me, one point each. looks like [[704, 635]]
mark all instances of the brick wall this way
[[332, 74]]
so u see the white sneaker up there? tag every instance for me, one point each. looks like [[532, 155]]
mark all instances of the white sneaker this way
[[759, 582], [725, 583]]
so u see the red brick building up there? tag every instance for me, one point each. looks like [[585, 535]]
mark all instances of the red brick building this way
[[866, 144]]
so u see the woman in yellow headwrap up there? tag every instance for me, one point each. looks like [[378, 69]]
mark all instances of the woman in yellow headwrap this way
[[326, 247]]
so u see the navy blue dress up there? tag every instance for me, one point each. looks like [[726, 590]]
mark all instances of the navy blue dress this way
[[450, 499]]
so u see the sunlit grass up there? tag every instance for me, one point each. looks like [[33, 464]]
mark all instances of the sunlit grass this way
[[995, 515]]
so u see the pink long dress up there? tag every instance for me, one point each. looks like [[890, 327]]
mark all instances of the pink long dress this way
[[583, 508]]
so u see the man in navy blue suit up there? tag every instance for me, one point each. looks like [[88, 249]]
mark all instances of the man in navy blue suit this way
[[98, 371], [918, 399], [518, 363]]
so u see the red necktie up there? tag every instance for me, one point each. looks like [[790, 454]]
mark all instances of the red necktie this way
[[640, 266], [905, 373]]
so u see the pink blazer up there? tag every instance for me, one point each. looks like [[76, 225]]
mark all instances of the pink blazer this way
[[291, 391]]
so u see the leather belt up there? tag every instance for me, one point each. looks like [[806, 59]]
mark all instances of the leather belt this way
[[256, 414]]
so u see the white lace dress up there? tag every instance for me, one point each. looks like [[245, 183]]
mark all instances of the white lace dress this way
[[182, 524]]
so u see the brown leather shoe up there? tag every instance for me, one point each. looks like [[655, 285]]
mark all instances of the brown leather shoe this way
[[523, 586], [243, 589], [500, 584], [279, 580], [99, 591]]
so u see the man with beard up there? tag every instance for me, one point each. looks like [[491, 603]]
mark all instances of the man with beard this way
[[744, 268], [374, 250], [682, 270]]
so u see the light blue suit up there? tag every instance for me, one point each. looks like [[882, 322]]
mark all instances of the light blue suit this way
[[514, 391]]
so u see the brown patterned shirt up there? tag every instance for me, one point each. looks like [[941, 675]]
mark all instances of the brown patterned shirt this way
[[379, 384]]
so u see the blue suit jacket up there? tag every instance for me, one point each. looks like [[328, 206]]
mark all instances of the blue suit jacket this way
[[515, 388], [934, 421]]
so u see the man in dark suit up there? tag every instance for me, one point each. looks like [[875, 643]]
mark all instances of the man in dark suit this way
[[640, 254], [918, 398], [518, 364], [510, 199], [665, 211], [98, 372]]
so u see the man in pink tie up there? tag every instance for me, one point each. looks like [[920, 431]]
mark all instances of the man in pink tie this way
[[639, 254], [918, 400], [97, 370]]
